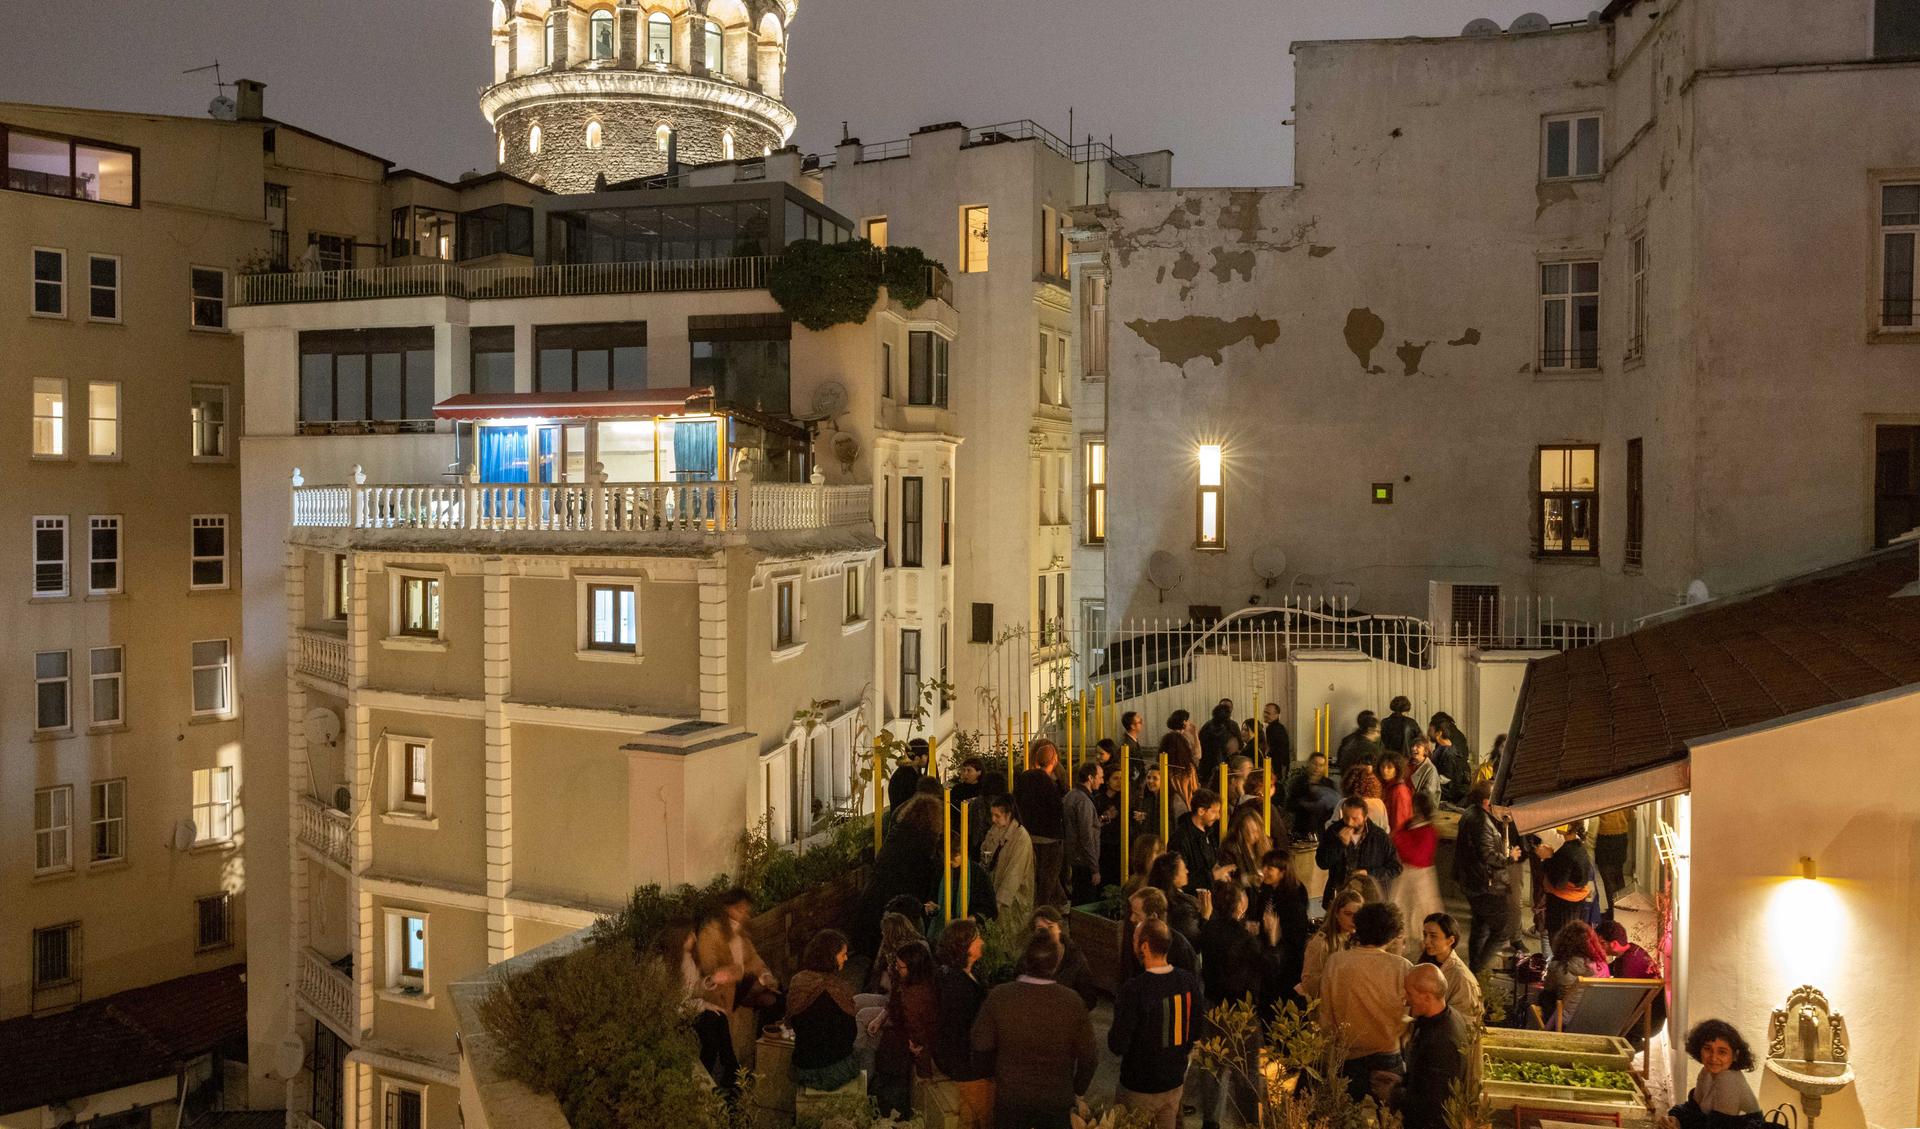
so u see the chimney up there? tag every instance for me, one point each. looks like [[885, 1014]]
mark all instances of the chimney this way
[[250, 100]]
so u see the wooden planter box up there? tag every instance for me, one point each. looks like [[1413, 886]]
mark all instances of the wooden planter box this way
[[1099, 939], [1631, 1108], [782, 932], [1560, 1048]]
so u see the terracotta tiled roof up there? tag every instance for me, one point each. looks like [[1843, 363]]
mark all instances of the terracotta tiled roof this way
[[120, 1040], [1633, 702]]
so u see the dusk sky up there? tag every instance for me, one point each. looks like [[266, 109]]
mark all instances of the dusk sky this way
[[1211, 80]]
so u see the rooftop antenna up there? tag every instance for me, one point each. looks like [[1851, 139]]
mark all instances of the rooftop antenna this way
[[222, 107], [845, 133]]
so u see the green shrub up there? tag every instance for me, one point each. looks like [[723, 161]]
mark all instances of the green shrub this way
[[904, 274], [821, 285], [651, 909]]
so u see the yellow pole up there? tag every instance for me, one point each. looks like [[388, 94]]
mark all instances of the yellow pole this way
[[1266, 798], [1166, 785], [1066, 729], [1126, 812], [1225, 809], [946, 860], [1086, 744], [1257, 723], [966, 863], [877, 761], [1026, 740], [933, 756]]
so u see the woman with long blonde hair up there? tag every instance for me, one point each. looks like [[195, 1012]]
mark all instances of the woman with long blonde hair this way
[[1334, 935]]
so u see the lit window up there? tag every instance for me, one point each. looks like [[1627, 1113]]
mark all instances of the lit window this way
[[406, 952], [660, 38], [105, 684], [973, 239], [533, 139], [614, 624], [556, 39], [49, 417], [51, 165], [876, 231], [103, 555], [600, 34], [1096, 491], [1210, 525], [1569, 315], [103, 287], [53, 830], [56, 956], [208, 416], [502, 158], [213, 922], [1567, 522], [856, 588], [912, 501], [411, 775], [1899, 231], [340, 587], [103, 419], [786, 613], [662, 135], [52, 691], [109, 823], [1571, 145], [49, 556], [49, 282], [209, 565], [726, 145], [593, 138], [715, 44], [420, 606], [212, 805], [212, 678], [209, 298]]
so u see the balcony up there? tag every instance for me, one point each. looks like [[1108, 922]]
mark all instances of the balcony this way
[[699, 508], [446, 280], [323, 654], [327, 990], [327, 832]]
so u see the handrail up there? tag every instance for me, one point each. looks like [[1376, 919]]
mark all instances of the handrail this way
[[437, 280]]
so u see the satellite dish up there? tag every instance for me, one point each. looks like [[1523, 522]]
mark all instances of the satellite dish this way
[[846, 449], [1530, 21], [223, 109], [829, 400], [1269, 563], [1163, 572], [1697, 593], [1481, 26], [288, 1058], [184, 834], [322, 727], [343, 799]]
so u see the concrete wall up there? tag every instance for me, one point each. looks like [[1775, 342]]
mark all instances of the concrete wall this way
[[548, 665]]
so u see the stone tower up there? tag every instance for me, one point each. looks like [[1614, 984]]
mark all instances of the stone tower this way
[[586, 87]]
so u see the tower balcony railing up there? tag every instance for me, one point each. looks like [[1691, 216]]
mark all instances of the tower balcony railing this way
[[448, 280]]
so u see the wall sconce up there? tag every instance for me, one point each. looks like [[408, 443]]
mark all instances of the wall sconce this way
[[1808, 870]]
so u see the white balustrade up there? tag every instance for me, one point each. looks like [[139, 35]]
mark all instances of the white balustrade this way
[[327, 989], [323, 654], [327, 830]]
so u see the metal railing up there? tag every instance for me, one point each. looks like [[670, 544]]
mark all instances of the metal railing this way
[[939, 284], [327, 990], [323, 654], [887, 150], [327, 831], [593, 507], [747, 272]]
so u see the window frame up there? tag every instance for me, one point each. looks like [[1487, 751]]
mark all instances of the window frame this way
[[70, 930], [47, 523], [1573, 118], [402, 978], [219, 782], [1094, 468], [225, 940], [431, 599], [1566, 348], [97, 523], [105, 799], [199, 425], [393, 1095], [595, 19], [53, 833], [909, 685], [74, 144], [64, 680], [35, 282], [929, 391], [339, 587], [946, 520], [224, 667], [1633, 546], [970, 242], [872, 224], [195, 558], [61, 425], [1096, 287], [1637, 264], [854, 595], [913, 525], [194, 298], [94, 288], [1883, 320], [590, 587], [655, 19], [402, 798], [711, 34], [1567, 496], [1215, 490], [94, 421], [786, 614], [117, 678]]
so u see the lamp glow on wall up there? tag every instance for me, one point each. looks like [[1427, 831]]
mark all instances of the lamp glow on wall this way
[[1806, 927], [1210, 531]]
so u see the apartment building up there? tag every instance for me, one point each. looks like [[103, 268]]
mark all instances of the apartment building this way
[[993, 204], [611, 523], [1583, 314], [123, 808]]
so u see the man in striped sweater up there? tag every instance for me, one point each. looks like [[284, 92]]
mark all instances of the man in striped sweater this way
[[1153, 1018]]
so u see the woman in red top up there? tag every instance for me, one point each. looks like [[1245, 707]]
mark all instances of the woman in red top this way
[[911, 1023], [1417, 890], [1395, 792]]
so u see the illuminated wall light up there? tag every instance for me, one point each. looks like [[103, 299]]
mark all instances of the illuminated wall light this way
[[1808, 870], [1209, 519]]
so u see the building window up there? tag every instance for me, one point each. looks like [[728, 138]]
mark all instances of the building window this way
[[213, 922], [1060, 371], [49, 557], [212, 805], [615, 621], [856, 593], [209, 307], [1569, 316], [1896, 29], [1637, 295], [209, 565], [715, 44], [973, 239], [1571, 147], [1568, 524], [886, 370], [1210, 530], [329, 1070], [1060, 507], [492, 358], [745, 358], [103, 419], [407, 952], [533, 140], [427, 233], [276, 202], [594, 135], [412, 775], [56, 956], [981, 626], [875, 231], [103, 288], [1899, 231], [555, 42], [1093, 629], [404, 1108], [49, 417], [600, 34], [726, 145], [946, 698], [593, 357], [1096, 530], [1042, 614], [912, 501], [331, 252], [886, 520], [53, 829], [105, 685], [419, 598], [340, 587], [52, 165], [208, 419], [109, 824], [660, 39], [212, 678], [52, 691], [502, 229], [103, 554], [946, 521], [1636, 503], [1093, 326], [1060, 623], [785, 613], [909, 670], [662, 135], [927, 358], [1047, 393], [368, 376], [49, 282]]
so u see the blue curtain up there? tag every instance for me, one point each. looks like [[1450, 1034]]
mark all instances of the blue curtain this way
[[503, 454], [696, 447], [549, 455]]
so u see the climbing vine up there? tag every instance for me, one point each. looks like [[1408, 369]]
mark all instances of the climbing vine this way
[[821, 285]]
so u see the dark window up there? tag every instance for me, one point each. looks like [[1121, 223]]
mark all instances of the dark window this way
[[359, 376], [1896, 481], [886, 520], [744, 358], [946, 521], [103, 288], [1567, 522], [52, 165], [1569, 315], [214, 921], [1636, 506], [56, 957], [1896, 29], [783, 613], [982, 624], [504, 229], [209, 297], [426, 233], [946, 699], [331, 252], [593, 357], [912, 499], [726, 229], [886, 370], [329, 1069], [49, 282], [403, 1109], [492, 358], [1040, 616], [1899, 232], [909, 670], [277, 225], [927, 368]]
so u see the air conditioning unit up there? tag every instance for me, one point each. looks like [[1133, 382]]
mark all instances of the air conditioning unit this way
[[1463, 612]]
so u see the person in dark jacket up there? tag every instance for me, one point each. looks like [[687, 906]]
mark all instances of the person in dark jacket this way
[[1452, 755], [1275, 743], [1195, 841], [1481, 853], [1214, 736], [1435, 1052], [1361, 745], [908, 1031], [1279, 906], [1356, 845], [968, 785], [1038, 793], [982, 902], [1397, 729], [1229, 952], [905, 781], [1040, 1039], [1168, 874], [1149, 904], [1153, 1017], [1571, 882], [1080, 839], [820, 1009], [961, 995], [1073, 971], [908, 864], [1312, 798]]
